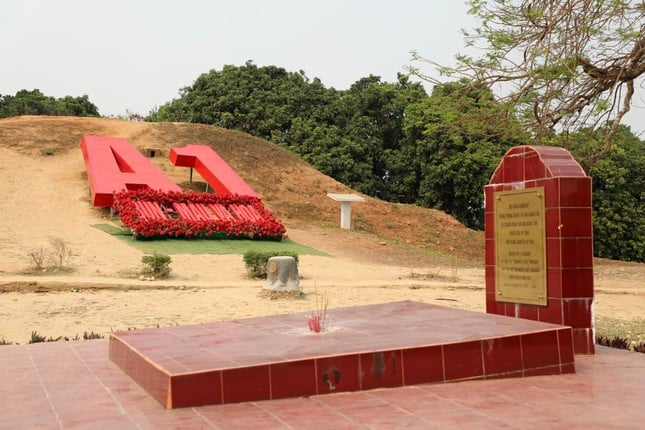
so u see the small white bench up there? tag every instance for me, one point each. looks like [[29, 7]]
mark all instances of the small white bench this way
[[345, 207]]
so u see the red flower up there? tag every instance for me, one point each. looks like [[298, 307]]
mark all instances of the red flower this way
[[264, 227]]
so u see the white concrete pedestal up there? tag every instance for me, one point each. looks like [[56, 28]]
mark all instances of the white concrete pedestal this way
[[345, 207]]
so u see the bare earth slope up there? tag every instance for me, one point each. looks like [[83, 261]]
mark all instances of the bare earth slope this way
[[395, 252]]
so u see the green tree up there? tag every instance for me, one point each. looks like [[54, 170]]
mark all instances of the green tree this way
[[77, 106], [376, 112], [453, 147], [562, 64], [257, 100], [618, 191], [349, 135], [34, 102], [27, 103]]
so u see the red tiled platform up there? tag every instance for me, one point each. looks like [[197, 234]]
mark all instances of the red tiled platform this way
[[73, 385], [385, 345]]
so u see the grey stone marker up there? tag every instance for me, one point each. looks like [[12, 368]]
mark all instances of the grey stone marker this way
[[282, 274]]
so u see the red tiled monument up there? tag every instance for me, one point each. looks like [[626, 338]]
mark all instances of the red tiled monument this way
[[373, 346], [539, 244]]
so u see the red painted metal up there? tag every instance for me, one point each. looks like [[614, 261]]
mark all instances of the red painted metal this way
[[114, 165], [219, 175]]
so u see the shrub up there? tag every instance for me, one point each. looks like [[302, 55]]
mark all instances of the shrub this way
[[256, 261], [37, 257], [37, 338], [157, 265], [92, 335], [613, 342], [61, 252]]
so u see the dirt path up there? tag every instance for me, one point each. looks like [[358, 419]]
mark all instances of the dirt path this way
[[69, 306]]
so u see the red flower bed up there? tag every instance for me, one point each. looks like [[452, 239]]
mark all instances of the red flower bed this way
[[266, 228]]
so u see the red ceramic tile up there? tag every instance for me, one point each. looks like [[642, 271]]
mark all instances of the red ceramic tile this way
[[577, 312], [117, 351], [552, 312], [511, 309], [346, 362], [489, 190], [540, 349], [230, 417], [513, 168], [303, 413], [422, 365], [293, 379], [195, 389], [493, 306], [497, 176], [551, 192], [553, 252], [246, 384], [489, 274], [543, 371], [490, 252], [370, 411], [550, 153], [336, 374], [502, 355], [530, 183], [553, 226], [381, 369], [489, 225], [576, 222], [463, 360], [554, 283], [529, 312], [154, 380], [583, 341], [501, 174], [566, 170], [577, 252], [565, 342], [533, 167], [577, 282], [601, 388], [575, 192]]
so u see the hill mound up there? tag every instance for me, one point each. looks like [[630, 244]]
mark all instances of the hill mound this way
[[43, 173]]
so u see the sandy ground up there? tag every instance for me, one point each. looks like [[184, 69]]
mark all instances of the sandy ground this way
[[98, 296]]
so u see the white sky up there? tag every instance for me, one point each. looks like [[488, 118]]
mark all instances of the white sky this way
[[134, 55]]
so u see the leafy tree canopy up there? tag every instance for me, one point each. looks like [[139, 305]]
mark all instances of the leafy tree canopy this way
[[456, 148], [396, 142], [559, 64], [618, 187], [257, 100], [36, 103]]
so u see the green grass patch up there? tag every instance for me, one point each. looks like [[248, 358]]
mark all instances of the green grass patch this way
[[633, 330], [184, 246], [196, 246], [112, 229]]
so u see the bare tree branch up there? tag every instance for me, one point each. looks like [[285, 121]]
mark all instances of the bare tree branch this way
[[560, 64]]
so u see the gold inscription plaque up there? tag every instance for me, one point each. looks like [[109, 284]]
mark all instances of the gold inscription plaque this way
[[520, 246]]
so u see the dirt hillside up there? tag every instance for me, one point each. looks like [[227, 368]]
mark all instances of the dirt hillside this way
[[293, 190], [395, 252]]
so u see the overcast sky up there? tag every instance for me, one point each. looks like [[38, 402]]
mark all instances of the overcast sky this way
[[134, 55]]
